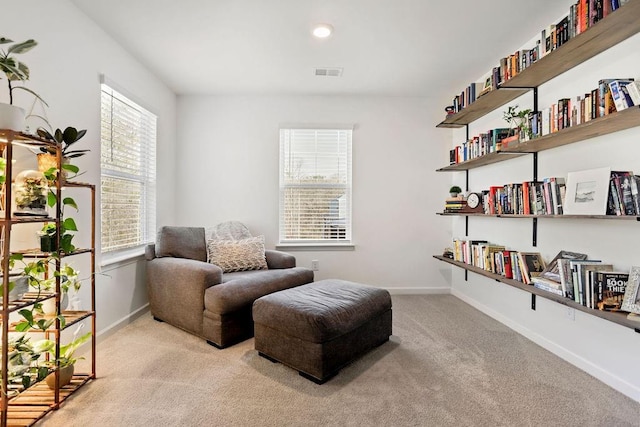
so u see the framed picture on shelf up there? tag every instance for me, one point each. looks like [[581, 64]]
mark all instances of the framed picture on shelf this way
[[631, 300], [587, 192]]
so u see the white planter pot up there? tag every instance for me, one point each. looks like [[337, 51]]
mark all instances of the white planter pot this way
[[11, 117]]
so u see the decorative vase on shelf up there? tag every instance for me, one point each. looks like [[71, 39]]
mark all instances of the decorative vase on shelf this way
[[11, 117], [31, 193], [66, 374]]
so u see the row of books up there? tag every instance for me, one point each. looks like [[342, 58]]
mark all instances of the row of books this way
[[547, 197], [582, 15], [610, 96], [479, 145], [494, 258], [544, 197], [588, 282], [572, 275], [624, 197]]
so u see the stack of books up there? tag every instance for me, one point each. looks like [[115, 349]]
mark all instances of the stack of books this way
[[454, 204]]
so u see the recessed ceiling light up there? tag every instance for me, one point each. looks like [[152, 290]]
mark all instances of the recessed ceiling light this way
[[322, 30]]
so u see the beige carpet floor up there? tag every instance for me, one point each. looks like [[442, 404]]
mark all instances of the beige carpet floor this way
[[446, 364]]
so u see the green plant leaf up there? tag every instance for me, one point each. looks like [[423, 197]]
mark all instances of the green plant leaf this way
[[22, 47], [69, 167], [16, 257], [26, 381], [22, 326], [43, 371], [68, 201], [27, 314], [70, 135], [70, 224], [51, 199]]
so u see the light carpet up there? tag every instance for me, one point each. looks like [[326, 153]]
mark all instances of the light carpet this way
[[446, 364]]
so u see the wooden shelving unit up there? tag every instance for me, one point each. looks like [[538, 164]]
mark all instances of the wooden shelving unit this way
[[21, 406], [617, 27], [616, 317]]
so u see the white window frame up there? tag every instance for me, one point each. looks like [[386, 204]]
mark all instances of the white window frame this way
[[145, 177], [345, 243]]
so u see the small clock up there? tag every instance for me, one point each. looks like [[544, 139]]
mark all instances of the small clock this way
[[474, 204], [473, 200]]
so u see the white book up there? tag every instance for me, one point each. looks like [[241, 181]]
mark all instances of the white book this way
[[634, 92]]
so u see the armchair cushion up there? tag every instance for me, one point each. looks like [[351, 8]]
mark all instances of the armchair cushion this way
[[181, 242], [237, 255]]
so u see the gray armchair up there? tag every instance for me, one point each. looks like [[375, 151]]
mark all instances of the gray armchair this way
[[190, 293]]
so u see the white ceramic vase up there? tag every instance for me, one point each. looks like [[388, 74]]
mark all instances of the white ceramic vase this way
[[11, 117]]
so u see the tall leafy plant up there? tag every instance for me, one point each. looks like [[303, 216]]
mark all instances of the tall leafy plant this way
[[13, 69]]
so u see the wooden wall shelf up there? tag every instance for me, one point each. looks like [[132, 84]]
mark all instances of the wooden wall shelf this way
[[616, 317], [618, 26], [607, 217], [601, 126]]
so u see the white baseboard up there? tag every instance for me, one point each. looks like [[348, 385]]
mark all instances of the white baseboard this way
[[418, 291], [116, 326], [611, 380]]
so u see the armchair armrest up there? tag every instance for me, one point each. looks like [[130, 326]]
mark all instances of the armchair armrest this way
[[278, 259], [150, 252], [176, 290]]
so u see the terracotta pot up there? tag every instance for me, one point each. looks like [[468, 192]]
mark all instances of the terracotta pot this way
[[66, 374], [11, 117]]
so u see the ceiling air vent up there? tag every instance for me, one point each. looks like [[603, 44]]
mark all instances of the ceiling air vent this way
[[329, 72]]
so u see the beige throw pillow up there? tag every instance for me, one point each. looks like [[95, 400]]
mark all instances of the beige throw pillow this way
[[237, 255]]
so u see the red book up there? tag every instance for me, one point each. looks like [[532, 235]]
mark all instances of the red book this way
[[508, 272], [526, 201]]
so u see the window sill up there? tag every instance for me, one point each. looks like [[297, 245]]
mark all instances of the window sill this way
[[315, 247], [121, 257]]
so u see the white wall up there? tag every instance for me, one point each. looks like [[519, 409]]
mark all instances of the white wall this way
[[604, 349], [228, 170], [71, 54]]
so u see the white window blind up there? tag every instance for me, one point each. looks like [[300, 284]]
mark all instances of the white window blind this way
[[315, 186], [128, 172]]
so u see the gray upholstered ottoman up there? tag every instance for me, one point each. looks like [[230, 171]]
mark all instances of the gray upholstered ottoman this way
[[320, 327]]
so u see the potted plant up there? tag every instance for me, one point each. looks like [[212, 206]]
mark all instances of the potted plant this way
[[66, 361], [11, 116], [66, 138], [454, 191], [48, 236], [518, 124]]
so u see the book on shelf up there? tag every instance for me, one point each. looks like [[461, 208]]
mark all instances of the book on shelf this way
[[547, 286], [590, 285], [577, 278], [619, 99], [633, 89], [613, 284], [531, 264], [620, 201]]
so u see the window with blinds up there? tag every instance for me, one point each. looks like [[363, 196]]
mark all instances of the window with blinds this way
[[128, 172], [315, 186]]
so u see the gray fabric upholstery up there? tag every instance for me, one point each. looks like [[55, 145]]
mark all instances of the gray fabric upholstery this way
[[277, 259], [321, 311], [178, 278], [246, 286], [320, 327], [181, 242]]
